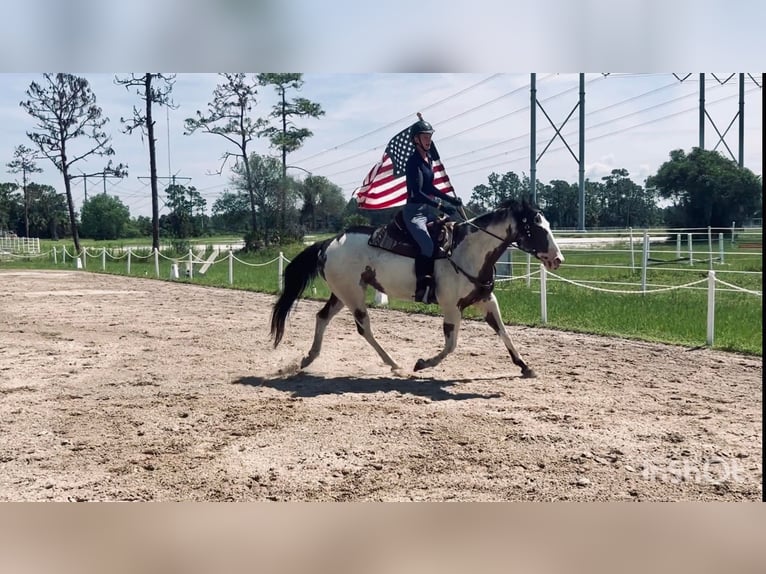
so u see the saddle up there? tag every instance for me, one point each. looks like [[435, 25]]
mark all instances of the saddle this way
[[395, 237]]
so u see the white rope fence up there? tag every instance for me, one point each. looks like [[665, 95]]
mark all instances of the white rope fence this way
[[189, 260], [711, 283], [711, 290]]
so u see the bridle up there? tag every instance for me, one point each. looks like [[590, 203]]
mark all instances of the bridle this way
[[526, 228]]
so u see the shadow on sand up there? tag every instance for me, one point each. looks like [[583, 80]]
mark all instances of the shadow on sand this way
[[307, 385]]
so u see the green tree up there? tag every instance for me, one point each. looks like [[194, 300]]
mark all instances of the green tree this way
[[142, 225], [152, 93], [231, 212], [500, 188], [104, 217], [323, 204], [187, 210], [227, 116], [65, 109], [48, 211], [559, 200], [707, 189], [265, 181], [11, 207], [24, 162], [286, 136]]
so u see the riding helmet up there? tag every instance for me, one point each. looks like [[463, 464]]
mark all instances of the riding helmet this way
[[420, 127]]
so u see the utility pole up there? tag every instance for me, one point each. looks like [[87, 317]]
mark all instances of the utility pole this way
[[740, 115], [535, 158], [110, 174], [172, 178]]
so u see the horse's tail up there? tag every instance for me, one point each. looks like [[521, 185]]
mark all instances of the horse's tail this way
[[298, 274]]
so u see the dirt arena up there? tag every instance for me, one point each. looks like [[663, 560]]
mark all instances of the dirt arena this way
[[116, 388]]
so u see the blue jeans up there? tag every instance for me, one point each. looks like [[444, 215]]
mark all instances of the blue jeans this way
[[416, 218]]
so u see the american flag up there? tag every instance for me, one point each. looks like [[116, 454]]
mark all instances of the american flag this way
[[386, 185]]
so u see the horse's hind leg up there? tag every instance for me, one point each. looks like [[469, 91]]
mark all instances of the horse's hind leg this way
[[362, 319], [324, 316], [492, 317]]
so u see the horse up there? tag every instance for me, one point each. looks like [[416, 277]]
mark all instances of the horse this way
[[465, 277]]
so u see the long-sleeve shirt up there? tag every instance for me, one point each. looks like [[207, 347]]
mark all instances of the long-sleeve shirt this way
[[420, 182]]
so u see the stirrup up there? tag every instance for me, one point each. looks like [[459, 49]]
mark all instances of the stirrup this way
[[428, 296]]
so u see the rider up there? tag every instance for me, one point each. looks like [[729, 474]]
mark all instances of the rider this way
[[423, 199]]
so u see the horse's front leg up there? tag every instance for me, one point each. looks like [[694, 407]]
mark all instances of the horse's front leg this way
[[452, 318], [362, 320], [492, 316]]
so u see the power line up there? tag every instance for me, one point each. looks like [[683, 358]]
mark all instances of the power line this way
[[104, 174], [594, 138], [395, 123], [548, 128], [361, 167]]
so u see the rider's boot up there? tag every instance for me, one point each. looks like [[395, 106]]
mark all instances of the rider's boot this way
[[425, 289]]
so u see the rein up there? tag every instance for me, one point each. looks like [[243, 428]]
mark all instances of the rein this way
[[525, 229], [488, 285]]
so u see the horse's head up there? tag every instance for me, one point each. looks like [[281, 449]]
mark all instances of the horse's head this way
[[533, 235]]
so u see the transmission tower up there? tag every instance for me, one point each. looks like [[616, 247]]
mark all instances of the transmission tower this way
[[579, 158]]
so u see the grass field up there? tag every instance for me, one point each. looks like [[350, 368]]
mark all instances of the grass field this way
[[673, 316]]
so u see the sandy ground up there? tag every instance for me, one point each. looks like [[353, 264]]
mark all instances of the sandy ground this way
[[116, 388]]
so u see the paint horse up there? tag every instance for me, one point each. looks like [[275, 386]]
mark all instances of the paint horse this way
[[465, 277]]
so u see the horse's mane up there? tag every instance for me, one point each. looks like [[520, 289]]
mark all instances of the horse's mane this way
[[513, 205]]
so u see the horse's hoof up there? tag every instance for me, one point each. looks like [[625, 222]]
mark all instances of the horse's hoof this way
[[306, 361], [528, 374], [420, 365]]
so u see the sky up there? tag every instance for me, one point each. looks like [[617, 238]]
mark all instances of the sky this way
[[373, 67], [482, 123]]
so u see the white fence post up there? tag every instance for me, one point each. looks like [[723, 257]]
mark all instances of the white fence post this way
[[632, 255], [191, 264], [691, 249], [710, 307], [103, 259], [645, 261], [678, 246], [381, 299], [55, 256], [529, 271], [732, 232], [280, 270], [231, 267], [543, 295], [156, 261], [720, 246], [710, 247], [84, 257], [63, 255], [129, 252]]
